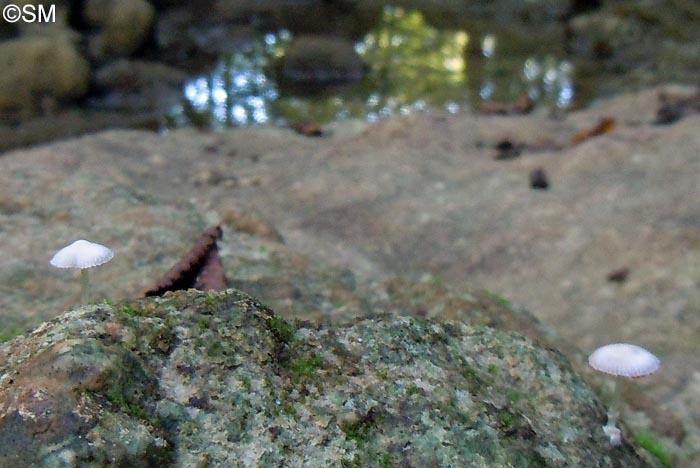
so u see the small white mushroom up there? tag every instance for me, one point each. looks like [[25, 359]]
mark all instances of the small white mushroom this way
[[82, 255], [621, 360], [624, 360]]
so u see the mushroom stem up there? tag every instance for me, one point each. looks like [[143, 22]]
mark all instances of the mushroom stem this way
[[614, 405], [84, 285], [610, 428]]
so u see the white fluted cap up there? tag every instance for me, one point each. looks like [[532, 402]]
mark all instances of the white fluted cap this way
[[81, 254], [624, 360]]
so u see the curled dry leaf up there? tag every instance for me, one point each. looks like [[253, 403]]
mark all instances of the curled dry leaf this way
[[523, 105], [308, 128], [604, 125], [200, 268]]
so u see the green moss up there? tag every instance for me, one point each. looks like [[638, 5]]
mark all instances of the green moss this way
[[211, 304], [127, 385], [305, 366], [506, 420], [499, 299], [412, 389], [351, 463], [476, 380], [514, 396], [7, 335], [247, 384], [134, 409], [215, 348], [131, 310], [357, 432], [117, 399], [655, 447], [360, 430], [203, 324], [283, 330], [209, 301], [386, 460]]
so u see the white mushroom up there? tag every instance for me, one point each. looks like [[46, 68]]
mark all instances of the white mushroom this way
[[624, 360], [82, 255], [621, 360]]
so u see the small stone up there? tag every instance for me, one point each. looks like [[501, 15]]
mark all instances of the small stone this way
[[539, 179]]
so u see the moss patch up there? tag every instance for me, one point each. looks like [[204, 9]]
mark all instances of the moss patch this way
[[655, 447], [305, 366], [281, 329], [7, 335]]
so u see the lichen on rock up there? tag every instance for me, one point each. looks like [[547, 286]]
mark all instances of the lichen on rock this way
[[216, 379]]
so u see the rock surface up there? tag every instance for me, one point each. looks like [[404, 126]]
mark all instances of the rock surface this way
[[196, 379], [421, 196]]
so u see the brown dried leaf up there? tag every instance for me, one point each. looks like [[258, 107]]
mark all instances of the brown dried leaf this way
[[200, 268], [308, 128], [604, 125], [523, 105]]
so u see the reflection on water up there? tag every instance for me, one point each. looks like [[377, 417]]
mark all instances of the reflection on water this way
[[547, 80], [237, 92], [412, 67]]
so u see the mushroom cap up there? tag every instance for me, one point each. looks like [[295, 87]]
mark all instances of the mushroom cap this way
[[81, 254], [624, 360]]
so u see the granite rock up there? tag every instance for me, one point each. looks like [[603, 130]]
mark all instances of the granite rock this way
[[217, 379]]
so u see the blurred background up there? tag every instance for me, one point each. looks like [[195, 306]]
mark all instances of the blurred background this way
[[70, 67]]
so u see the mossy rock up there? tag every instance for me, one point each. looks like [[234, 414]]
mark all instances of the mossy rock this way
[[216, 379]]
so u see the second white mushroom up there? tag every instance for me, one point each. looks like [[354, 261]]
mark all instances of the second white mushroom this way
[[621, 360]]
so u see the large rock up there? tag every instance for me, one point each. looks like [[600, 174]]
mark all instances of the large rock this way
[[629, 43], [123, 25], [345, 18], [39, 69], [196, 379], [311, 63], [138, 86]]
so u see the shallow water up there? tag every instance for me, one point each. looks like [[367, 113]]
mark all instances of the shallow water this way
[[411, 66]]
